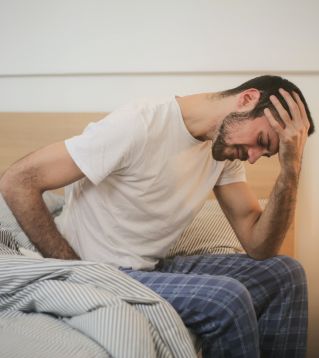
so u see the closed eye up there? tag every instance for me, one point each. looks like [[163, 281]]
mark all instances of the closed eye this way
[[267, 145], [260, 141]]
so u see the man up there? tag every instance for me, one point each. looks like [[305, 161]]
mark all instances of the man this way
[[138, 178]]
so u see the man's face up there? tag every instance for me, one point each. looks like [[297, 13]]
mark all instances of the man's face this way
[[245, 139]]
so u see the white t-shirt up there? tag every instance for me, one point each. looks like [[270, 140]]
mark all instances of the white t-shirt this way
[[146, 179]]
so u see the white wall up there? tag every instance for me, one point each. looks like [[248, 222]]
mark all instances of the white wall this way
[[87, 55], [102, 36], [77, 55]]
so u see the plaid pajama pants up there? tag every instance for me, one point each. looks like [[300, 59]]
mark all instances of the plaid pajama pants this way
[[237, 306]]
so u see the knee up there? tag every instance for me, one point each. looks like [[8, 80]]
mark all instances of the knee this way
[[222, 306], [229, 297], [287, 270], [229, 306]]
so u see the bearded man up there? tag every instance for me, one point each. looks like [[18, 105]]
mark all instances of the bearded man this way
[[139, 176]]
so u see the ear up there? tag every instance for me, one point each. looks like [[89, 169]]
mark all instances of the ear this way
[[248, 99]]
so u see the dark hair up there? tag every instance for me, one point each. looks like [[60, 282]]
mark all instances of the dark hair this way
[[267, 86]]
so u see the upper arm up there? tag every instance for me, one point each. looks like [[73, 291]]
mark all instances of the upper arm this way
[[241, 208], [48, 168]]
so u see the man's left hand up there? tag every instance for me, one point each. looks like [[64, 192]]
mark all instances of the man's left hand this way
[[293, 134]]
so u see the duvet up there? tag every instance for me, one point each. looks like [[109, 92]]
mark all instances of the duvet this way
[[58, 308]]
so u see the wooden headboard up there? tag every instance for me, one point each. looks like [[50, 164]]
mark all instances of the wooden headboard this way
[[22, 133]]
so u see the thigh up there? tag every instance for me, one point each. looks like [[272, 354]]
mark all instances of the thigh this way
[[238, 266], [195, 297], [217, 309], [263, 279], [228, 264]]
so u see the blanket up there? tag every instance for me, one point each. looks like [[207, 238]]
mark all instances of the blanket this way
[[60, 308]]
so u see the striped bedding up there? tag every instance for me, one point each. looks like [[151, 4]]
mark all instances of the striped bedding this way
[[57, 308], [209, 233]]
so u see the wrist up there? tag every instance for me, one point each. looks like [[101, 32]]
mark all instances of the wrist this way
[[289, 175], [291, 167]]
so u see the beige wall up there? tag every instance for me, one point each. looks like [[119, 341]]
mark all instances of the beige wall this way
[[307, 233], [307, 222]]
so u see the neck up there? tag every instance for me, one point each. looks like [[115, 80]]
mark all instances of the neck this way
[[203, 113]]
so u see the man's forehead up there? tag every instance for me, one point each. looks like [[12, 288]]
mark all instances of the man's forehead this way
[[268, 132]]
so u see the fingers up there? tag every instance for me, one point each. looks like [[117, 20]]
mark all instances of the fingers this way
[[275, 125], [284, 115], [302, 109], [298, 118], [293, 106]]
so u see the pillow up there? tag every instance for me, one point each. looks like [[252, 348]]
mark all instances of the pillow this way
[[209, 233]]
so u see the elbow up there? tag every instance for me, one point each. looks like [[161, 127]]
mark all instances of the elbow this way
[[261, 246], [14, 181], [260, 254], [9, 186], [261, 250]]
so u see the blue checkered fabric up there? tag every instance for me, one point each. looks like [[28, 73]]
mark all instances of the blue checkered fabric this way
[[237, 306]]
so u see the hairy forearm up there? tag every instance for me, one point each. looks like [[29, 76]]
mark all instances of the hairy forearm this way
[[33, 216], [271, 227]]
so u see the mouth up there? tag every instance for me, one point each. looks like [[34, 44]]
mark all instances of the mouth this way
[[241, 154]]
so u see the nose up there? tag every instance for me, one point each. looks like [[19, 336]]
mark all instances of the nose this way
[[254, 153]]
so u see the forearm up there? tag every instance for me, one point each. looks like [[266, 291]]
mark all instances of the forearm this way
[[34, 218], [272, 225]]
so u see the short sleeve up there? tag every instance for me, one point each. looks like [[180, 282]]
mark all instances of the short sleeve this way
[[234, 171], [108, 145]]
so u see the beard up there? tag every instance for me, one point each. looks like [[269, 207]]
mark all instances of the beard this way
[[220, 149]]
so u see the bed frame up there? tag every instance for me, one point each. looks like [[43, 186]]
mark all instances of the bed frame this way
[[22, 133]]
